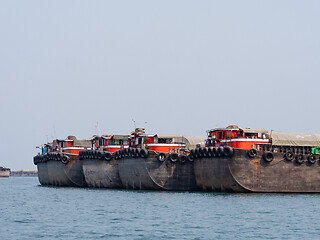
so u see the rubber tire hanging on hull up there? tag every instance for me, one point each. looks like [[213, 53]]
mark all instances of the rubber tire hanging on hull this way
[[227, 151], [161, 157], [65, 159], [289, 156], [183, 159], [107, 156], [173, 157], [312, 159], [299, 158], [268, 156], [143, 153], [252, 152]]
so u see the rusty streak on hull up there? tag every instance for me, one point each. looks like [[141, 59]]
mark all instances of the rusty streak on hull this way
[[151, 174], [241, 173], [101, 173]]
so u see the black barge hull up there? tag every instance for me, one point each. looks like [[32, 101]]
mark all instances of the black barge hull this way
[[43, 175], [148, 173], [100, 173], [243, 173], [52, 171]]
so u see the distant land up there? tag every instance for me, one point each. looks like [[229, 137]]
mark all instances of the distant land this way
[[24, 173]]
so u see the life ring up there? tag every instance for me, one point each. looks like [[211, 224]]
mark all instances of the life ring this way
[[173, 157], [65, 159], [107, 156], [252, 152], [143, 153], [268, 156], [228, 151], [183, 159], [312, 159], [299, 158], [289, 156], [161, 157]]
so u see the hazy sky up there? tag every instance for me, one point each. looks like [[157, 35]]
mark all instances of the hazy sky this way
[[181, 66]]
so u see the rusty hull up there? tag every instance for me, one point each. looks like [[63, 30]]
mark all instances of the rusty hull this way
[[241, 173], [100, 173], [151, 174]]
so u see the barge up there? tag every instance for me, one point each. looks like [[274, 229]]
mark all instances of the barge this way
[[254, 160], [58, 165], [158, 162], [100, 165]]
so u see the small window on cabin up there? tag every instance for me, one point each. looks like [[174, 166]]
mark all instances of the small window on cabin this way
[[62, 144], [139, 140], [220, 135], [161, 140], [121, 142], [100, 142]]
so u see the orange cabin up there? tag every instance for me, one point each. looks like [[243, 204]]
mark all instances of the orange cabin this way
[[158, 143], [111, 143], [233, 136], [70, 145]]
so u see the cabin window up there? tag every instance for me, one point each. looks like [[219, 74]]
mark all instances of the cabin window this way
[[120, 142], [100, 142], [162, 140], [62, 144], [220, 135], [139, 140]]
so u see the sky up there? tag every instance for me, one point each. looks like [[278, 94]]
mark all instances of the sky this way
[[174, 67]]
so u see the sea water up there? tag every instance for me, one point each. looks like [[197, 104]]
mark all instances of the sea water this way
[[31, 211]]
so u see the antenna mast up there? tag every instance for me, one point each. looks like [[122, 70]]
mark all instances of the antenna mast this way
[[134, 123]]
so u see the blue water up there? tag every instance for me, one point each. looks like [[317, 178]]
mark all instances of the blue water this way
[[29, 211]]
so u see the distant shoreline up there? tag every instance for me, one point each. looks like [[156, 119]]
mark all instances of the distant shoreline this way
[[23, 173]]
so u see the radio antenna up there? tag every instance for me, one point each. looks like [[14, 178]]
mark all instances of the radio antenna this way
[[134, 123], [97, 128]]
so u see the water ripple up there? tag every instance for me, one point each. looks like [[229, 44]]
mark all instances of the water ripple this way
[[29, 211]]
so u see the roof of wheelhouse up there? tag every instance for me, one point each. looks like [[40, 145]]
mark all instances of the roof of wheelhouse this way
[[236, 128]]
